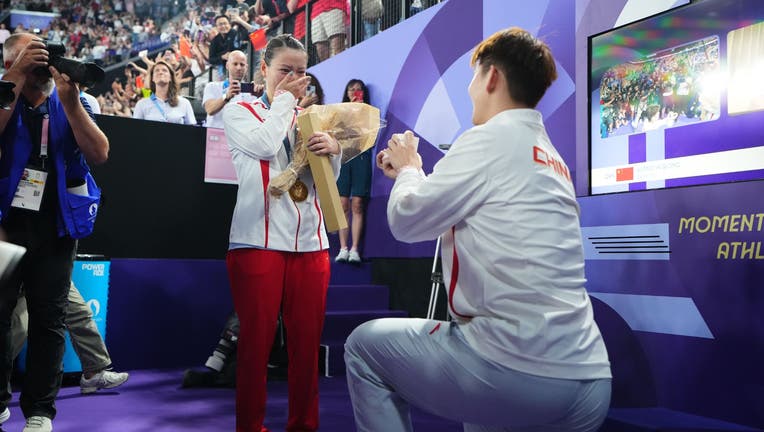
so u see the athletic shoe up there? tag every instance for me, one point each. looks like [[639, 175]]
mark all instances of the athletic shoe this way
[[342, 256], [38, 424], [102, 380], [5, 415], [353, 257]]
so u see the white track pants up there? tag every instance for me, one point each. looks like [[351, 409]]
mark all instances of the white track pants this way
[[394, 362]]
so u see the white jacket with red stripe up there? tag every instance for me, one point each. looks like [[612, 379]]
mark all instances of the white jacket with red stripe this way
[[512, 254], [255, 134]]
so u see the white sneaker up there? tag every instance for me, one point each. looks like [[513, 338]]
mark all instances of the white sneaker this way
[[342, 256], [102, 380], [353, 256], [5, 415], [38, 424]]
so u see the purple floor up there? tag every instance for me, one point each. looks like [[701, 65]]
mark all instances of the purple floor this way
[[152, 400]]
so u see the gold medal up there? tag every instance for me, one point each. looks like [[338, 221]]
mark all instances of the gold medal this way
[[299, 191]]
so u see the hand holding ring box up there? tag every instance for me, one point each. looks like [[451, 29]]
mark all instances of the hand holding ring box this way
[[407, 138]]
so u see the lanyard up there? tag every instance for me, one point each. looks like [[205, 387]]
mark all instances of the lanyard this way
[[44, 137], [288, 147], [159, 107]]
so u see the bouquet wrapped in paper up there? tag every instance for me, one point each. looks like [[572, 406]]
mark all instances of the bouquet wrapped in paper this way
[[354, 125]]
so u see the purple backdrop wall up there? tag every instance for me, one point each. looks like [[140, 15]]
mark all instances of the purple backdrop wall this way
[[418, 77]]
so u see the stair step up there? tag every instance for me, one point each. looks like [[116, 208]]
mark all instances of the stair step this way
[[339, 324], [659, 419], [344, 273], [357, 296]]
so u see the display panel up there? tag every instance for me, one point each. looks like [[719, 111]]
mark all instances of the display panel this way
[[678, 99]]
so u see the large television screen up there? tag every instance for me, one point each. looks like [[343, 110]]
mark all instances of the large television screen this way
[[677, 99]]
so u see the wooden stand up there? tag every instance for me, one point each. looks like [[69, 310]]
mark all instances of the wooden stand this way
[[323, 176]]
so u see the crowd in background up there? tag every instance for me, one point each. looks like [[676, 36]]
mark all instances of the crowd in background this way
[[188, 35], [674, 87]]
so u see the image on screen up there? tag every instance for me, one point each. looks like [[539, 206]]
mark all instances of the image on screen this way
[[746, 69], [678, 99], [669, 88]]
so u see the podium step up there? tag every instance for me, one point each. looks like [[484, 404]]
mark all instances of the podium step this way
[[658, 419], [357, 296]]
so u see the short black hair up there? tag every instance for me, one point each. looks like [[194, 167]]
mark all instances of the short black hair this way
[[525, 61]]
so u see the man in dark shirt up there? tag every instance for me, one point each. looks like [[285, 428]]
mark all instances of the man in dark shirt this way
[[228, 39]]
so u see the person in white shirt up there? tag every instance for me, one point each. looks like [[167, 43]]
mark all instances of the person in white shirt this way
[[522, 351], [164, 104], [91, 100], [4, 34], [278, 255], [218, 93]]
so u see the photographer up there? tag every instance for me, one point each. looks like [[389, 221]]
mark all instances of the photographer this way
[[218, 93], [48, 199]]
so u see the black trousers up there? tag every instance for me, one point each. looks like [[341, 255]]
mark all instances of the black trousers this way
[[45, 272]]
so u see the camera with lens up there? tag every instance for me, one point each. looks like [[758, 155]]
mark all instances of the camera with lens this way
[[226, 347], [7, 95], [83, 73]]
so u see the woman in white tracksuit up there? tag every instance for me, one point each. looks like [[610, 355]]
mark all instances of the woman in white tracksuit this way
[[278, 256], [522, 352]]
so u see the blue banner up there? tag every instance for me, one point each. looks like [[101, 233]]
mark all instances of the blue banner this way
[[31, 20], [92, 280]]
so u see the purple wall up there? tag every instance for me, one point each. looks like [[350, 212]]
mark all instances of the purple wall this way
[[418, 76]]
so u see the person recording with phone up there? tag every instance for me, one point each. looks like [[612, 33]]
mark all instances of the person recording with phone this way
[[314, 94], [47, 138], [354, 184], [218, 93]]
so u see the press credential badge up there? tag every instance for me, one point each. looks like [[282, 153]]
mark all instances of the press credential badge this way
[[29, 193]]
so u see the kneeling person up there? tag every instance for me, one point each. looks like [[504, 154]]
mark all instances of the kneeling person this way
[[522, 351]]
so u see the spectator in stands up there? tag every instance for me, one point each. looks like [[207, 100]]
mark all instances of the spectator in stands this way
[[328, 25], [420, 5], [218, 93], [314, 95], [271, 14], [354, 184], [91, 100], [165, 104], [371, 12], [86, 340], [227, 40], [4, 34]]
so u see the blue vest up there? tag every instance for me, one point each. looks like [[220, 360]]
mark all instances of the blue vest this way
[[77, 213]]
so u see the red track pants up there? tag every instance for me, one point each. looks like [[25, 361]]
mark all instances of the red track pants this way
[[262, 281]]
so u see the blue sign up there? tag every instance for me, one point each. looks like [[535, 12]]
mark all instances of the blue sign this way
[[92, 281]]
